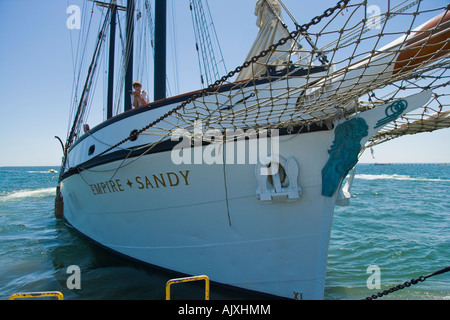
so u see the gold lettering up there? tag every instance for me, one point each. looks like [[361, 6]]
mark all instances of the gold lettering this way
[[147, 182], [185, 176], [161, 181], [170, 180], [98, 188], [138, 180], [113, 186], [93, 189], [119, 185]]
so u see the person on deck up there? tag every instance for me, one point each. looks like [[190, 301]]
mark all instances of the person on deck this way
[[139, 98]]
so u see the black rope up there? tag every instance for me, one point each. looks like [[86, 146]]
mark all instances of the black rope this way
[[406, 284]]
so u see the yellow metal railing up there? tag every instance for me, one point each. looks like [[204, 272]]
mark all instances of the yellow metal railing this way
[[188, 279], [33, 295]]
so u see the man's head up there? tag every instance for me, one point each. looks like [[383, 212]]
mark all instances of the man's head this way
[[137, 86]]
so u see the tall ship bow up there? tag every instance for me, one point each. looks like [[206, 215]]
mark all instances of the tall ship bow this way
[[239, 180]]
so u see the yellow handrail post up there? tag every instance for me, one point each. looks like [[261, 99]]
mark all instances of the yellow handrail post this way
[[188, 279]]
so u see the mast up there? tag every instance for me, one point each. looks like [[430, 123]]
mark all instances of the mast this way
[[129, 55], [160, 49], [112, 43]]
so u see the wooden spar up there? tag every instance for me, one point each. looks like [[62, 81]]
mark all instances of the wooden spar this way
[[160, 50], [112, 42], [431, 43], [129, 55]]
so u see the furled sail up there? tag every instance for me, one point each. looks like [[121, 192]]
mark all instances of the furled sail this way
[[271, 30]]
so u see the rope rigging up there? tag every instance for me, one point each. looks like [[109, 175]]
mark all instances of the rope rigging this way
[[89, 80], [290, 100], [78, 61], [341, 4], [207, 43]]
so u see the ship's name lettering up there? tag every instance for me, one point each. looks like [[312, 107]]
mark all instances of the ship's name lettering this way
[[153, 181]]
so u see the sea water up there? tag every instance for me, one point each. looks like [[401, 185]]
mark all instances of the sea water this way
[[398, 221]]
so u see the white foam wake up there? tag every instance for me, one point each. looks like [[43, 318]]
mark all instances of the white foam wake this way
[[21, 194], [395, 177]]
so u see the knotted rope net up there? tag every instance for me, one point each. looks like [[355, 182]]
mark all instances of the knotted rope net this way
[[351, 58]]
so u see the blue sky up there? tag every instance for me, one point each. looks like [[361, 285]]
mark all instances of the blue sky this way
[[36, 73]]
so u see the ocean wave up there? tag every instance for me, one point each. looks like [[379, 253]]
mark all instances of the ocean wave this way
[[396, 177], [21, 194]]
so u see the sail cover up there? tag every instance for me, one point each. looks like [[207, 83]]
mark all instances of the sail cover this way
[[271, 29]]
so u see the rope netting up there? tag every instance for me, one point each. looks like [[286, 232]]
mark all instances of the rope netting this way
[[433, 116], [362, 56], [290, 88]]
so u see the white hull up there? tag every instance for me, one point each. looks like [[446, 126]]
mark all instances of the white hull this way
[[274, 247], [228, 221], [208, 219]]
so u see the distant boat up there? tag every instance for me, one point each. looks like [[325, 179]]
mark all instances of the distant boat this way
[[52, 171], [239, 181]]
